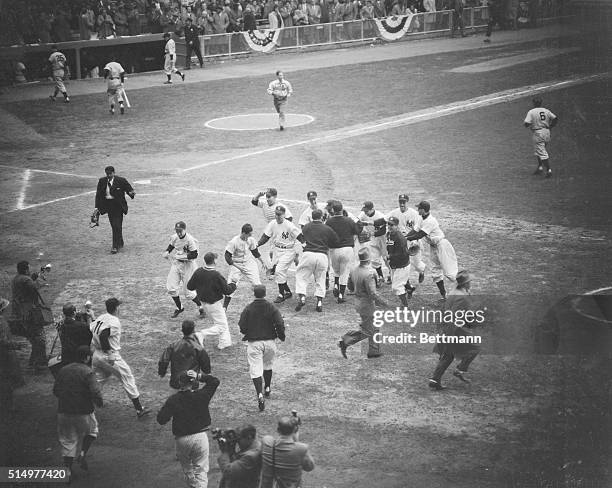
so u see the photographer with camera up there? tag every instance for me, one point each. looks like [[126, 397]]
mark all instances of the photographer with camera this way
[[239, 469], [190, 416], [284, 458]]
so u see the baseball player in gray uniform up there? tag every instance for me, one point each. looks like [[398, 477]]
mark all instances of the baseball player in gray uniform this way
[[540, 120]]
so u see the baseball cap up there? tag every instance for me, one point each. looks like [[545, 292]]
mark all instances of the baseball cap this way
[[367, 206], [180, 225], [210, 257], [311, 194], [166, 34], [403, 198], [68, 309], [271, 192], [279, 209], [112, 302], [424, 204], [393, 221]]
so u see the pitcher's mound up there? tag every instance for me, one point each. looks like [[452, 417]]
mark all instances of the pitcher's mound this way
[[257, 121]]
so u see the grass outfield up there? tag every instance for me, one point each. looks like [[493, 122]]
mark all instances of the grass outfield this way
[[526, 420]]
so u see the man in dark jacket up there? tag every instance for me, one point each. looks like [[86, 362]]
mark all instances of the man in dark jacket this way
[[241, 469], [261, 323], [184, 354], [73, 332], [190, 416], [110, 199], [192, 40], [77, 391], [211, 287], [398, 260]]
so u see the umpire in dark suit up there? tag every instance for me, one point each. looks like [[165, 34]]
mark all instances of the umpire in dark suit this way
[[110, 199]]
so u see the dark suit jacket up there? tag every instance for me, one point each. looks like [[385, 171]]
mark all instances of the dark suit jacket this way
[[120, 187]]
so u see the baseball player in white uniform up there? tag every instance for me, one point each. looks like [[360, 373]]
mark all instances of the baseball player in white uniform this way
[[183, 249], [58, 67], [306, 216], [373, 236], [285, 237], [107, 360], [115, 76], [281, 90], [170, 59], [441, 254], [268, 207], [540, 120], [242, 255], [409, 220]]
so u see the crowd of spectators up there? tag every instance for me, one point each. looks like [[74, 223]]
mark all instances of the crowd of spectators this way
[[46, 21]]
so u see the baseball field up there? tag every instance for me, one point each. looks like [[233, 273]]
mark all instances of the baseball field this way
[[440, 120]]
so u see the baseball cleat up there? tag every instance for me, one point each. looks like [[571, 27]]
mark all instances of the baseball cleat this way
[[486, 39], [459, 374], [261, 402], [114, 250], [177, 312], [112, 111], [538, 171], [410, 290], [282, 128], [288, 295], [549, 173], [435, 385], [374, 355], [421, 277], [141, 413], [67, 100], [267, 392], [319, 307], [343, 347], [300, 304], [336, 292], [341, 298], [183, 76], [279, 299], [168, 82]]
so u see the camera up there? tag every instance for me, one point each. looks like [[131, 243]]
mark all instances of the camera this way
[[227, 439]]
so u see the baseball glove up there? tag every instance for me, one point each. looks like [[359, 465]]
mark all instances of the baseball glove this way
[[364, 236], [413, 248], [94, 220]]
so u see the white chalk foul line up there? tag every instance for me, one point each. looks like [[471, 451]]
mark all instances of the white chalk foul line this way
[[419, 116], [24, 188], [60, 173], [34, 205]]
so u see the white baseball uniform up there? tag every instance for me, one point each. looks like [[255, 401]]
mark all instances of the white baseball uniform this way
[[408, 221], [113, 86], [442, 254], [283, 237], [306, 216], [376, 245], [268, 212], [170, 57], [182, 268], [58, 66], [540, 120], [245, 263], [100, 361]]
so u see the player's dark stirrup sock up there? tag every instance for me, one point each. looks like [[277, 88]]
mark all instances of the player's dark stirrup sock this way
[[65, 94], [286, 287], [136, 402], [404, 299], [336, 281], [267, 377], [87, 442], [177, 301], [226, 301], [342, 289], [169, 77], [281, 288], [379, 272], [545, 163], [257, 383], [440, 285]]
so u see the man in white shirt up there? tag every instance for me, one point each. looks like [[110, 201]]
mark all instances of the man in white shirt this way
[[115, 76], [170, 59], [442, 254], [107, 360]]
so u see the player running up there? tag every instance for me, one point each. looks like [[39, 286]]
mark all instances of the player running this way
[[281, 90], [58, 67], [115, 74], [170, 59]]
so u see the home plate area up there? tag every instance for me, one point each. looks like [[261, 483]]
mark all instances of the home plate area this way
[[257, 121]]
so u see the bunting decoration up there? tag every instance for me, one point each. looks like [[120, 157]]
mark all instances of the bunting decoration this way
[[262, 41], [394, 28]]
